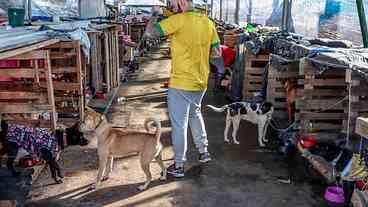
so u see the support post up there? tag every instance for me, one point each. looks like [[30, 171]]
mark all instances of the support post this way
[[236, 14], [250, 8], [212, 13], [363, 22], [221, 4], [285, 16]]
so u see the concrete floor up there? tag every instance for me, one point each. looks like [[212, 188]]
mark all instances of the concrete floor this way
[[239, 175]]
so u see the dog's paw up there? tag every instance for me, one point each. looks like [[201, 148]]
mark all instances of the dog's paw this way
[[236, 142], [163, 177], [59, 181], [142, 187], [105, 178], [227, 141]]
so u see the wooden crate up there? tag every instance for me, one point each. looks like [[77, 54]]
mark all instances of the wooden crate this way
[[66, 62], [322, 105], [29, 91], [103, 69], [277, 75], [254, 69]]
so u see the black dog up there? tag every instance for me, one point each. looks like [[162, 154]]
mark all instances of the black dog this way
[[73, 137]]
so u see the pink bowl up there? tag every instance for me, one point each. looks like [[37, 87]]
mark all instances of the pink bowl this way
[[335, 195]]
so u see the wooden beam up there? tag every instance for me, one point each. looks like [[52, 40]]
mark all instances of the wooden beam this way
[[60, 70], [18, 73], [50, 91], [4, 95], [22, 50], [62, 86], [63, 55], [20, 108]]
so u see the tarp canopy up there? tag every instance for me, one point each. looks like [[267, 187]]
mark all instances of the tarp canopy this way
[[336, 19], [144, 3]]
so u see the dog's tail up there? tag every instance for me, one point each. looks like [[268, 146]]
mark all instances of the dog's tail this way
[[222, 109], [157, 124]]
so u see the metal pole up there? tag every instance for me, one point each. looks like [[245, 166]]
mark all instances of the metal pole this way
[[363, 22], [285, 16], [212, 16], [236, 17], [221, 2], [249, 16]]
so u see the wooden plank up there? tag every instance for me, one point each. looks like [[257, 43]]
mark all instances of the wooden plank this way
[[279, 104], [254, 78], [107, 62], [80, 81], [12, 53], [117, 60], [327, 126], [17, 108], [62, 86], [4, 95], [325, 82], [50, 91], [33, 123], [61, 70], [63, 55], [325, 93], [362, 127], [64, 45], [359, 106], [361, 90], [35, 55], [322, 116], [18, 73], [323, 104]]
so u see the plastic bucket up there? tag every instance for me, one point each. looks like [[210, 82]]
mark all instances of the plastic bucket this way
[[16, 17]]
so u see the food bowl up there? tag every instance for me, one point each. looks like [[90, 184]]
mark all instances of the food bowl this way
[[308, 142], [334, 196]]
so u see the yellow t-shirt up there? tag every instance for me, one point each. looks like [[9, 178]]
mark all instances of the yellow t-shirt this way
[[192, 36]]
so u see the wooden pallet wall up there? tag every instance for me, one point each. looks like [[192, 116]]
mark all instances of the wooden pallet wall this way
[[254, 69], [29, 91]]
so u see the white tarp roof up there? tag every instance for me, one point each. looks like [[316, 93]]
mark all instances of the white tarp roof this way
[[142, 3]]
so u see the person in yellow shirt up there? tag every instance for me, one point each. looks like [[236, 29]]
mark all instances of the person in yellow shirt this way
[[194, 40]]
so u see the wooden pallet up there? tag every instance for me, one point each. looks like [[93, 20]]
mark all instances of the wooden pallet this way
[[254, 69], [103, 70], [277, 76], [28, 96], [66, 60], [322, 105]]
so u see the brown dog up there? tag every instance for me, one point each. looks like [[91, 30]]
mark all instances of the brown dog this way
[[115, 142]]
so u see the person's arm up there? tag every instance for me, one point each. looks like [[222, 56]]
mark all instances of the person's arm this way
[[215, 44], [166, 27]]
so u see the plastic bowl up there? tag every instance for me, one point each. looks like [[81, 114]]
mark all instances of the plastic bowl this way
[[308, 142], [335, 195]]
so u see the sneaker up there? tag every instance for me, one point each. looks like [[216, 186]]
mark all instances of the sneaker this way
[[177, 172], [205, 157]]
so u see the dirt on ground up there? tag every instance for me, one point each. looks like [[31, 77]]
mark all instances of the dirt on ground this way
[[239, 175]]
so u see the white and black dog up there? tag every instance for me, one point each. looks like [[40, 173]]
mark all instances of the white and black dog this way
[[256, 113]]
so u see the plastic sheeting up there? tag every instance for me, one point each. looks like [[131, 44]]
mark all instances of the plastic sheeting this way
[[337, 19], [54, 8], [47, 8]]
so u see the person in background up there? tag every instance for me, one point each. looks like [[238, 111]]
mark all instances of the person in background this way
[[194, 41]]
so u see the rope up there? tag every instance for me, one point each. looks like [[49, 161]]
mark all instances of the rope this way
[[279, 129], [329, 107], [319, 111]]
